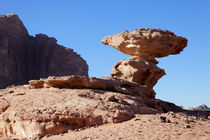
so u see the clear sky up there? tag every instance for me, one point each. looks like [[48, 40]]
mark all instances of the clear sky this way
[[81, 24]]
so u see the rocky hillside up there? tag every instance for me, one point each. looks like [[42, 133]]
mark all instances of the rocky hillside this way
[[24, 57], [58, 104]]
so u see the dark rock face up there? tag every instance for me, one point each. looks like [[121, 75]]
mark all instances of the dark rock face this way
[[23, 57]]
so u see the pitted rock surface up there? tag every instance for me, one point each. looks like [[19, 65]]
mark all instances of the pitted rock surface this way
[[104, 83], [139, 71], [146, 44]]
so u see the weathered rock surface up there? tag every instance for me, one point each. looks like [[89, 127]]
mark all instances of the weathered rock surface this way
[[139, 71], [60, 105], [105, 83], [55, 105], [23, 57], [164, 126], [146, 43]]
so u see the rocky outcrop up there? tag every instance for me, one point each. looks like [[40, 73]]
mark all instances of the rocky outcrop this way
[[24, 57], [139, 71], [58, 104], [144, 45], [105, 83]]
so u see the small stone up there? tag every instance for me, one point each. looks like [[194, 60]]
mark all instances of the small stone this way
[[36, 83], [162, 119], [188, 126], [86, 137], [137, 119], [111, 99], [11, 91], [168, 121]]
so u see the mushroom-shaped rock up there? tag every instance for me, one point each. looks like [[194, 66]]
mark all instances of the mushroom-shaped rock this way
[[146, 43]]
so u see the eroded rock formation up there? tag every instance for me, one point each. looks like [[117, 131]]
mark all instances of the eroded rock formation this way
[[24, 57], [144, 45], [58, 104], [105, 83], [55, 105], [139, 71]]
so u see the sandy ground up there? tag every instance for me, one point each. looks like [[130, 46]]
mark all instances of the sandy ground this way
[[168, 126]]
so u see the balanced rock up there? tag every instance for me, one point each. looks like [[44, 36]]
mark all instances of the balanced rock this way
[[60, 104], [24, 57], [144, 45]]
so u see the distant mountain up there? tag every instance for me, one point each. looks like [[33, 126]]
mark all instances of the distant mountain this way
[[202, 107]]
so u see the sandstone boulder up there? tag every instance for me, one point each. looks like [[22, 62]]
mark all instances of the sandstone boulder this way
[[147, 43], [139, 71], [24, 57]]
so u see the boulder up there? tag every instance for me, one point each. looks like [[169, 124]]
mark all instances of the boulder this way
[[139, 71], [146, 44], [24, 57]]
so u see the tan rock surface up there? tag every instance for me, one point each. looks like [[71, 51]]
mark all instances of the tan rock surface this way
[[61, 105], [168, 126], [105, 83], [139, 71], [146, 43]]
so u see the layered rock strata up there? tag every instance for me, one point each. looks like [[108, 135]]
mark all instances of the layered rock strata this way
[[105, 83], [144, 45], [24, 57], [60, 104]]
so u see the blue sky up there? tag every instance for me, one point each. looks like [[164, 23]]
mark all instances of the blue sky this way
[[81, 24]]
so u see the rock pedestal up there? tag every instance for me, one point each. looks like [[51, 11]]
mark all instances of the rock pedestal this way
[[144, 45], [139, 71]]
